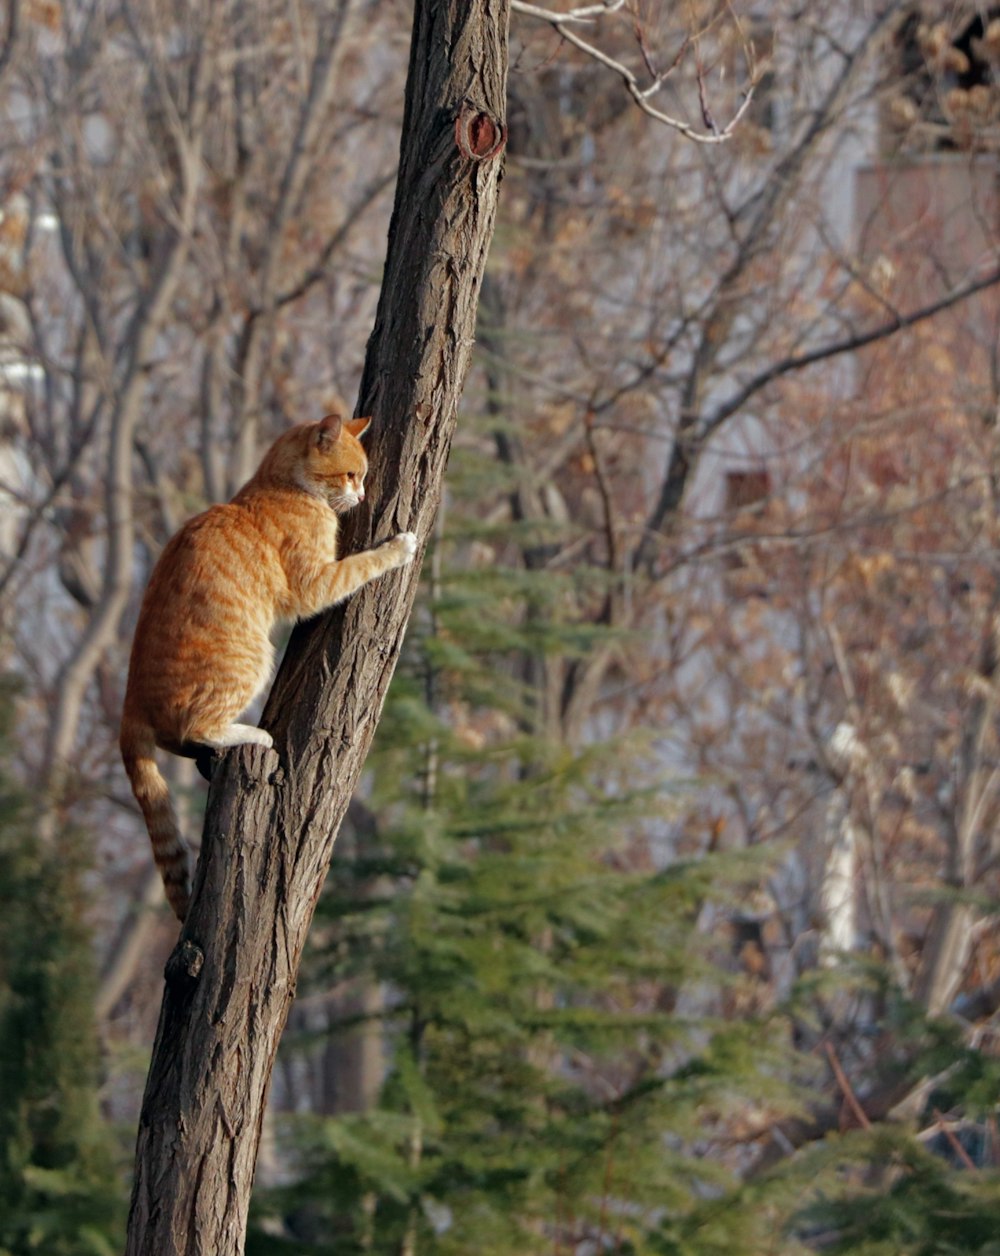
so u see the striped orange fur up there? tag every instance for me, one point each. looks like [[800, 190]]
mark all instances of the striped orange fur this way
[[202, 649]]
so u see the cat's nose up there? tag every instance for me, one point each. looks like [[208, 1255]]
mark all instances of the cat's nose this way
[[361, 494]]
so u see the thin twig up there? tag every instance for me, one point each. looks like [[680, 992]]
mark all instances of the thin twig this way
[[563, 24], [845, 1086], [953, 1141], [849, 344]]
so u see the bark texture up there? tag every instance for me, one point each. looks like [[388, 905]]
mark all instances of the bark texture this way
[[273, 815]]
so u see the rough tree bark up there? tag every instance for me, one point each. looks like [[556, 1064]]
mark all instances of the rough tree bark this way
[[273, 815]]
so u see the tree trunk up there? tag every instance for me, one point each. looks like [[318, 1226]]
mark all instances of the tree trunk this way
[[273, 815]]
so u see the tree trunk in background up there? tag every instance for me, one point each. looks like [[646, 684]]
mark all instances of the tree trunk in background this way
[[272, 817]]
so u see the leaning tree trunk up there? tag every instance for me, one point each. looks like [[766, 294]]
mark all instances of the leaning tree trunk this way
[[272, 816]]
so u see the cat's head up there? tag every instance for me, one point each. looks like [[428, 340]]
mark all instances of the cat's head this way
[[335, 462], [325, 458]]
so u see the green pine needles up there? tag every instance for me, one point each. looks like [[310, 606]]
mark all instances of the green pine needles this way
[[59, 1195], [557, 1061]]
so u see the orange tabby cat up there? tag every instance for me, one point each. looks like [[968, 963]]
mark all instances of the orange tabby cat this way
[[202, 649]]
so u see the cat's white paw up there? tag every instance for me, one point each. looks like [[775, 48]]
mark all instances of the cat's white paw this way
[[238, 735], [406, 545]]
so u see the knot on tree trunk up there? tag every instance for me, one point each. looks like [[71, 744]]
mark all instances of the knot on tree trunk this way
[[478, 134], [184, 966]]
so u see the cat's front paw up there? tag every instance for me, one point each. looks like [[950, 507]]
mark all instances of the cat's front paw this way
[[405, 546]]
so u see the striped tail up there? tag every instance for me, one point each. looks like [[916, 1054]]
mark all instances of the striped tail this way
[[151, 793]]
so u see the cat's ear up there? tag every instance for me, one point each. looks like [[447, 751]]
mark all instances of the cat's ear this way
[[358, 427], [327, 431]]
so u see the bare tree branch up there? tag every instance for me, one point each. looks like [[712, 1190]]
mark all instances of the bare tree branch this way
[[847, 344], [144, 327], [565, 24]]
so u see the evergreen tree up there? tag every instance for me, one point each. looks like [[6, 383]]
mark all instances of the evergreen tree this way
[[574, 1062], [554, 1076], [58, 1192], [888, 1189], [883, 1192]]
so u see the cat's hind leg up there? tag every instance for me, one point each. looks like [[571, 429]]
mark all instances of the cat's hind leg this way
[[239, 735], [205, 757], [205, 751], [205, 760]]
